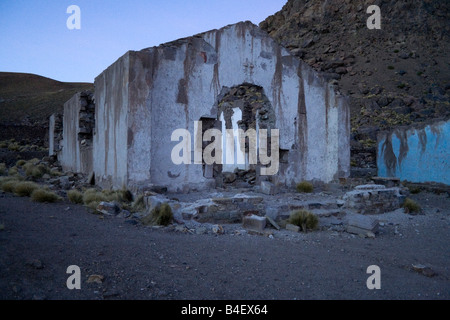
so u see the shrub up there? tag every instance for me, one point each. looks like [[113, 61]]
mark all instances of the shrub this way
[[92, 197], [117, 195], [8, 186], [13, 146], [138, 204], [8, 179], [125, 195], [32, 169], [414, 190], [75, 196], [34, 161], [12, 171], [25, 189], [161, 215], [20, 163], [411, 206], [305, 186], [304, 219], [2, 169], [390, 67], [42, 195], [4, 144], [38, 171]]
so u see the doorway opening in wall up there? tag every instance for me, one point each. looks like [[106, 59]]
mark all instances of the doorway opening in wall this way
[[244, 107]]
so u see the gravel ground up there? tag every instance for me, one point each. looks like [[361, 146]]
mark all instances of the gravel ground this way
[[38, 242]]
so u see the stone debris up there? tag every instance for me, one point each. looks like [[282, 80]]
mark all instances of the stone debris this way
[[268, 188], [220, 209], [272, 222], [64, 182], [95, 278], [388, 182], [422, 269], [362, 225], [36, 264], [254, 222], [154, 201], [218, 229], [292, 227], [201, 230], [108, 208]]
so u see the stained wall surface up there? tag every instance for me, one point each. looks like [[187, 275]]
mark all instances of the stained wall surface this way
[[73, 155], [146, 95], [51, 135], [416, 154]]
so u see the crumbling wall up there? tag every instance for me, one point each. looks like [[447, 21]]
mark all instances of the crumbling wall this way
[[55, 134], [416, 153], [76, 145], [146, 95]]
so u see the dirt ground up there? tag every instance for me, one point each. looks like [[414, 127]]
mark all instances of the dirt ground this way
[[38, 242]]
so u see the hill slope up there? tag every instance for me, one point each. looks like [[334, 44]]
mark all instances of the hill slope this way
[[394, 76], [31, 99]]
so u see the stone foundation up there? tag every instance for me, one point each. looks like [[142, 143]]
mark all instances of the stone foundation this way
[[373, 199]]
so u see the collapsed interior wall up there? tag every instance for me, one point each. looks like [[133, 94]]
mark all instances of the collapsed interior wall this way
[[79, 122], [55, 135], [243, 107], [146, 95]]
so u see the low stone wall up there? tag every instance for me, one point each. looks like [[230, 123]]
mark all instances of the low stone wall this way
[[373, 199]]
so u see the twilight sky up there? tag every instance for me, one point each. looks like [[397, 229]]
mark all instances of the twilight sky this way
[[34, 37]]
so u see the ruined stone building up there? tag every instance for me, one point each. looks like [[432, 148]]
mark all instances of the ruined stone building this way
[[236, 77]]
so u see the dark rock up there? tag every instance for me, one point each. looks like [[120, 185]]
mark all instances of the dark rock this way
[[334, 64], [341, 70], [402, 110], [331, 76], [108, 208], [308, 43], [383, 102], [229, 177], [403, 55]]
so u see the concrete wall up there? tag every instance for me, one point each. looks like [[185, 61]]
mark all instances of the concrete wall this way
[[51, 135], [55, 134], [73, 156], [416, 154], [144, 96], [111, 132]]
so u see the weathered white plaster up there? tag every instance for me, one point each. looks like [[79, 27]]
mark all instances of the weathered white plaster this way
[[146, 95]]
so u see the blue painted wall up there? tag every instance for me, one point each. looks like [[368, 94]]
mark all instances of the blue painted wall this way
[[416, 154]]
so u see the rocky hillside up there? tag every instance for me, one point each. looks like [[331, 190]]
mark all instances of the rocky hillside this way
[[29, 98], [394, 76], [26, 102]]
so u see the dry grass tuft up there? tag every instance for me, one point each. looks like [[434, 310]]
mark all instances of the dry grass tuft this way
[[304, 219]]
